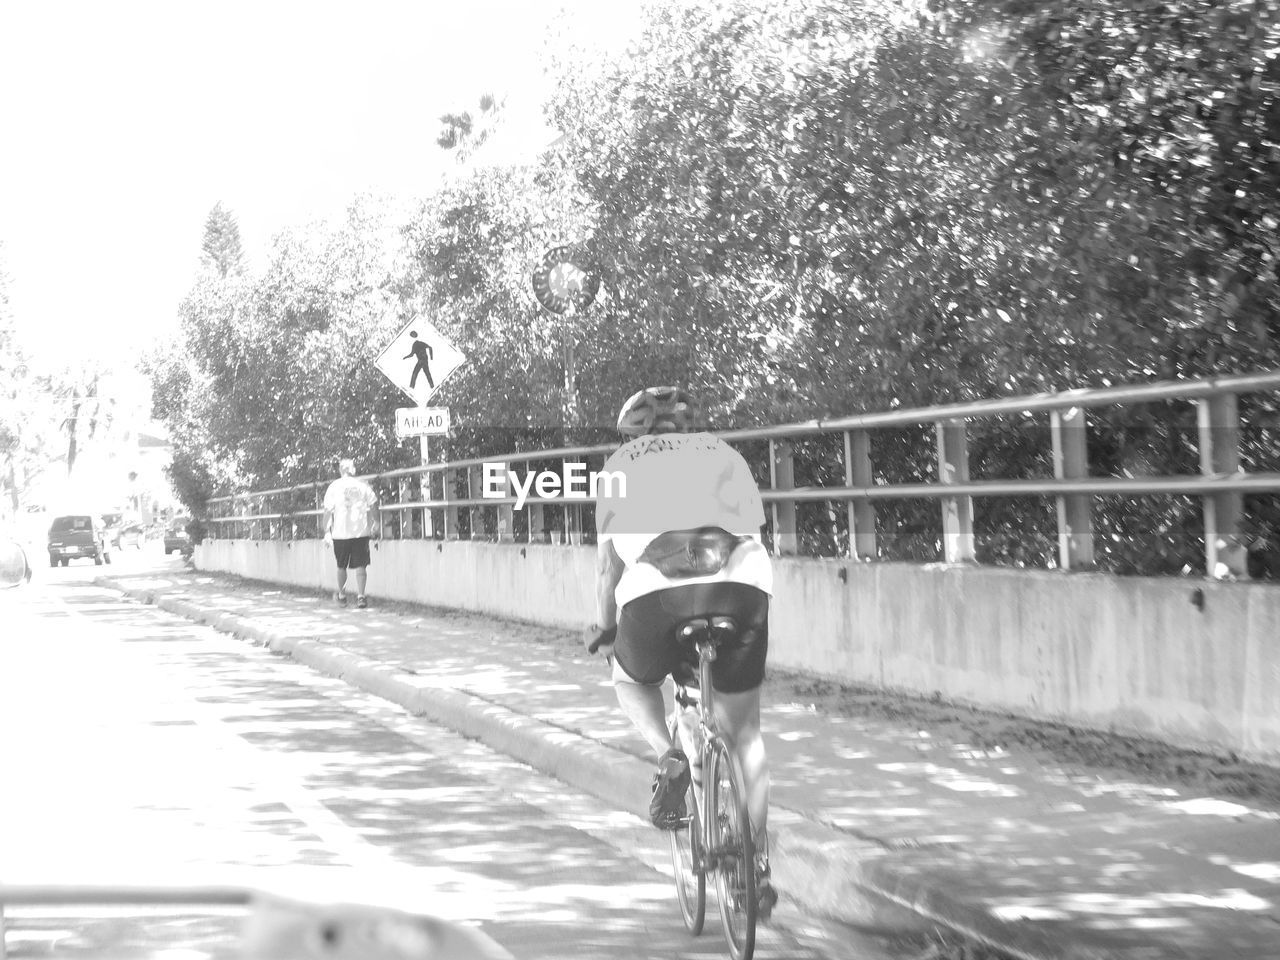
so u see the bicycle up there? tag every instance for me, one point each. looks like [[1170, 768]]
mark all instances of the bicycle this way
[[720, 844]]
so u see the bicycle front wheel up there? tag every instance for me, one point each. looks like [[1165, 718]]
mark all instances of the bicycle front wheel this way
[[734, 854], [686, 858]]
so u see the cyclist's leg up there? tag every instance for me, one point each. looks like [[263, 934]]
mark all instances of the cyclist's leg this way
[[738, 716], [644, 707], [690, 736], [642, 653]]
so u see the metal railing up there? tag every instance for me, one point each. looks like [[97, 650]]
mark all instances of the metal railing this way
[[417, 511]]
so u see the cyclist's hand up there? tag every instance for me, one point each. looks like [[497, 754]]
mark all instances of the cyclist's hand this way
[[596, 639]]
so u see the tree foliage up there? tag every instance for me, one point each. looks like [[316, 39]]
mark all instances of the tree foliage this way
[[34, 428], [14, 378], [844, 207], [272, 377], [220, 250], [820, 208]]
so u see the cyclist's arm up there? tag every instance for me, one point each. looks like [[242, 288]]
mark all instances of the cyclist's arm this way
[[609, 569]]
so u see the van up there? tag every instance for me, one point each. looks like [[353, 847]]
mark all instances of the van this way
[[77, 535]]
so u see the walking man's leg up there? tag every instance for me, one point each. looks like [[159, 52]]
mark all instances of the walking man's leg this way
[[341, 557], [360, 563]]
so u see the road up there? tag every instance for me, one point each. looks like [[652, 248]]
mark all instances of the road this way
[[139, 746]]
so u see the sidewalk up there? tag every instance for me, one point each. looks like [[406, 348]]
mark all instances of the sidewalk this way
[[1041, 861]]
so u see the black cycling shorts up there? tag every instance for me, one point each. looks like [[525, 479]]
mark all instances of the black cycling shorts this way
[[351, 553], [647, 649]]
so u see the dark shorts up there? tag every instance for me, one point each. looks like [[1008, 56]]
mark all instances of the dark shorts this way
[[351, 553], [647, 649]]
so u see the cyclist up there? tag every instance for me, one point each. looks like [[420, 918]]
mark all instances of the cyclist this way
[[681, 540]]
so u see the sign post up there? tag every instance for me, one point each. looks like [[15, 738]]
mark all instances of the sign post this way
[[424, 487], [418, 360]]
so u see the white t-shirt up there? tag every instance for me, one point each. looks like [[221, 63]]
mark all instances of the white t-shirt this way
[[350, 500], [680, 481]]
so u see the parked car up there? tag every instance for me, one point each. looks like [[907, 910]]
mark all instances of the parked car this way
[[131, 535], [176, 539], [78, 535]]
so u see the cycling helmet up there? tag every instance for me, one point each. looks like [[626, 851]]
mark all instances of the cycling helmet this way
[[658, 410]]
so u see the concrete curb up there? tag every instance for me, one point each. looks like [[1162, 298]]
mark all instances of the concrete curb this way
[[834, 874]]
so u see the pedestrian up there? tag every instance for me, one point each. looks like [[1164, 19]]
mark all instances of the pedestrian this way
[[350, 519]]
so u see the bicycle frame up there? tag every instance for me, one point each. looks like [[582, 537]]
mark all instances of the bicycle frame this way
[[708, 736]]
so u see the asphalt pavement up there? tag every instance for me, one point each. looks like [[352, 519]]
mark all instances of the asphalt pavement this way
[[873, 823]]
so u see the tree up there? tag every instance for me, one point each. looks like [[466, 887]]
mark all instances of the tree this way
[[824, 207], [28, 428], [14, 377], [828, 207], [464, 132], [220, 250], [272, 376]]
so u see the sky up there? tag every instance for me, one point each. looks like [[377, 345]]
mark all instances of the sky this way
[[123, 123]]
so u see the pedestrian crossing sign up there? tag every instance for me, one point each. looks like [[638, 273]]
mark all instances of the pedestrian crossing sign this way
[[418, 360]]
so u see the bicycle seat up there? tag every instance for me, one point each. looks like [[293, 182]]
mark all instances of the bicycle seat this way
[[718, 628]]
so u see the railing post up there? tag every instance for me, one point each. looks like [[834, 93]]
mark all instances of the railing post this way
[[449, 486], [506, 512], [476, 513], [862, 513], [572, 513], [1075, 511], [538, 532], [537, 523], [1218, 419], [782, 476], [424, 488], [402, 485], [957, 512]]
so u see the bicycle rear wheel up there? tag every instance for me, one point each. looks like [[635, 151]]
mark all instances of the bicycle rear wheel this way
[[687, 859], [734, 854]]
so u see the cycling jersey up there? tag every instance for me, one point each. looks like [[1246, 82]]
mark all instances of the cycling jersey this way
[[680, 481]]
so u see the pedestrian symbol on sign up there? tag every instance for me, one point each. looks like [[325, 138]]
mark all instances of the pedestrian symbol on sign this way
[[418, 360], [421, 350]]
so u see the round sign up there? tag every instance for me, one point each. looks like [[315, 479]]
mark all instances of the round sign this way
[[565, 278]]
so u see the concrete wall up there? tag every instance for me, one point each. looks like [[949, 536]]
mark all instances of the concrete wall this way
[[1132, 654]]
